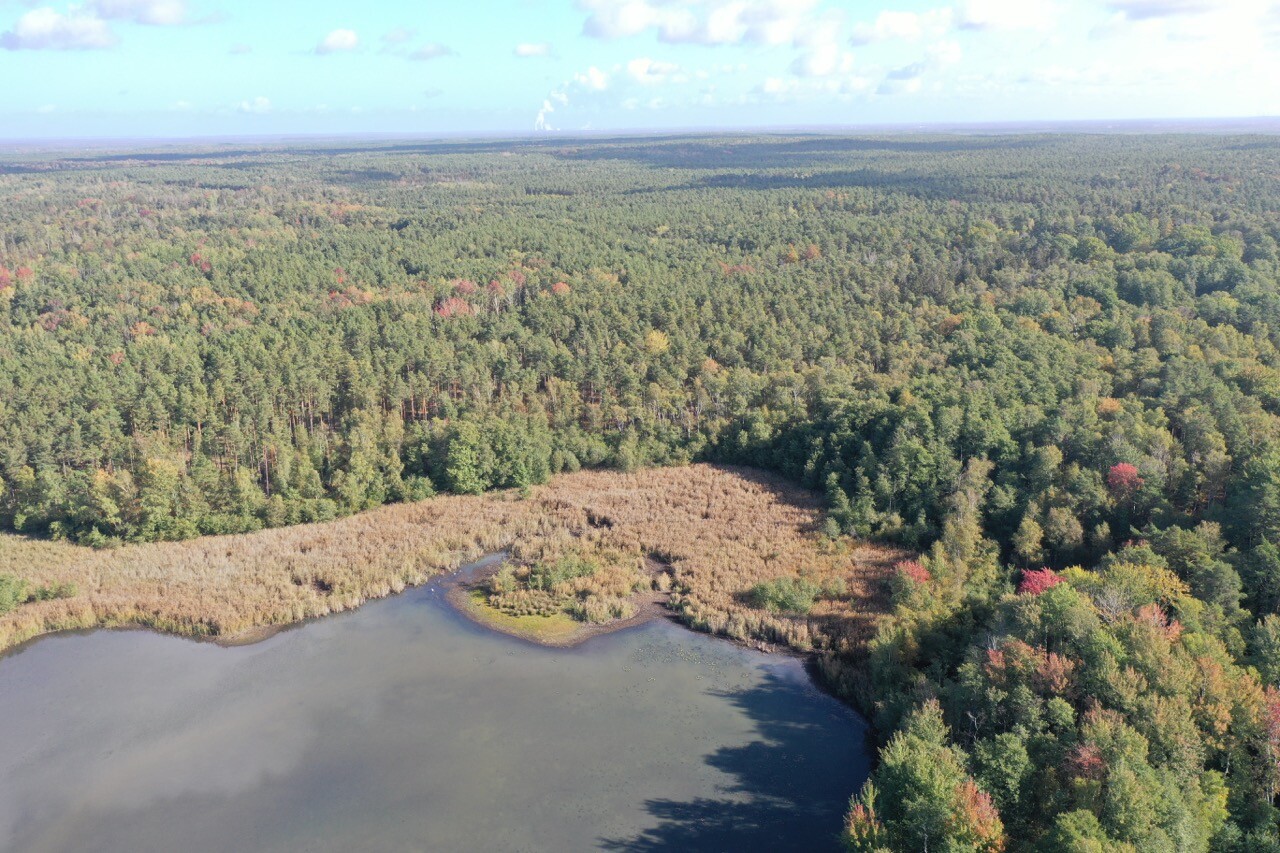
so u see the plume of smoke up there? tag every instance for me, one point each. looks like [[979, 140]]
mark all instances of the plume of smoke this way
[[591, 80], [540, 123]]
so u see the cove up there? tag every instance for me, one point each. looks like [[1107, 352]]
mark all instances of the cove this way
[[405, 726]]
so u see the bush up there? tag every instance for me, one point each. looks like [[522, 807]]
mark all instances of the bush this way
[[13, 591], [547, 576], [785, 595], [48, 593], [503, 581]]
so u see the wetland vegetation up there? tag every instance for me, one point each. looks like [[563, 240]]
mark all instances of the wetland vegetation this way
[[704, 535]]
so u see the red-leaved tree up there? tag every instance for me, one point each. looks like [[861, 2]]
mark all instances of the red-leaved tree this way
[[1124, 480], [454, 307], [913, 571], [1036, 581]]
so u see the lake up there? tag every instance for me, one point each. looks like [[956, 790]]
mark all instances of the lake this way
[[404, 726]]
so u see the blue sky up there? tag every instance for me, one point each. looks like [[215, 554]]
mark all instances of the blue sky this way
[[232, 67]]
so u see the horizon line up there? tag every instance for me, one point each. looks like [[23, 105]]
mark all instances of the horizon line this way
[[1263, 123]]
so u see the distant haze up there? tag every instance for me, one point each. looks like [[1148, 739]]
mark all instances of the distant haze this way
[[188, 68]]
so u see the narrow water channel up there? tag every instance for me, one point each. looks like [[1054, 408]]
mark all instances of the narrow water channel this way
[[403, 726]]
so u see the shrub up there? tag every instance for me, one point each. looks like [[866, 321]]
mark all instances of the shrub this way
[[13, 591], [503, 581], [547, 576], [785, 595], [48, 593]]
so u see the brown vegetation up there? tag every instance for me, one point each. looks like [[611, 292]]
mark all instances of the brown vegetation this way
[[715, 532]]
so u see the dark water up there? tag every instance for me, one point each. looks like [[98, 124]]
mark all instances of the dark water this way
[[402, 726]]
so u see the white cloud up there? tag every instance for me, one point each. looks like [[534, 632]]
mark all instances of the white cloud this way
[[1008, 14], [46, 29], [258, 106], [1138, 10], [945, 53], [527, 50], [592, 79], [338, 41], [777, 86], [1271, 23], [399, 35], [1222, 55], [905, 80], [434, 50], [907, 26], [650, 72], [1190, 20], [794, 90], [240, 49], [823, 60], [708, 22], [1056, 76], [157, 13], [908, 79], [610, 19]]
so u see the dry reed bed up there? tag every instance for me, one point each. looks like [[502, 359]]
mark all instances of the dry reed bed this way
[[721, 530]]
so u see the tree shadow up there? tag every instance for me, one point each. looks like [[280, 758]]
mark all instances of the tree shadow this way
[[773, 150], [730, 150], [787, 789]]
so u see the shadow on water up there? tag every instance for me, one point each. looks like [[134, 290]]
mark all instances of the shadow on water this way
[[767, 806]]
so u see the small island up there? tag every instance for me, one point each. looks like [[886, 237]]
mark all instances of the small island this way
[[562, 598]]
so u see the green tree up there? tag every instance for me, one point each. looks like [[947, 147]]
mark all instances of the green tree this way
[[1027, 541], [468, 460], [920, 797]]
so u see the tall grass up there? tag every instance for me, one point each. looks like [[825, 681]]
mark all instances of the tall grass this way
[[717, 532]]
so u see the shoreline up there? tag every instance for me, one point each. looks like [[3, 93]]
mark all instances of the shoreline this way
[[458, 585], [461, 586]]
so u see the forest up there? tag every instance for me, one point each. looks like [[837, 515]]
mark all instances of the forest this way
[[1046, 363]]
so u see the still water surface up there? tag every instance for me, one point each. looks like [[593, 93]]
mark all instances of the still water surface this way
[[403, 726]]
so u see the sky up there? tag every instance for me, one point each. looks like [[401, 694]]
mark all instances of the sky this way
[[199, 68]]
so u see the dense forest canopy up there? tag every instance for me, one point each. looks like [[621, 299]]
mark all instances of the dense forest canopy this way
[[1048, 362]]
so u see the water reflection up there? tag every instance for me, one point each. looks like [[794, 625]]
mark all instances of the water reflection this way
[[403, 726], [774, 798]]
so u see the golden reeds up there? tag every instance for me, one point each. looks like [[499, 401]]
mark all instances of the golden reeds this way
[[715, 532]]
